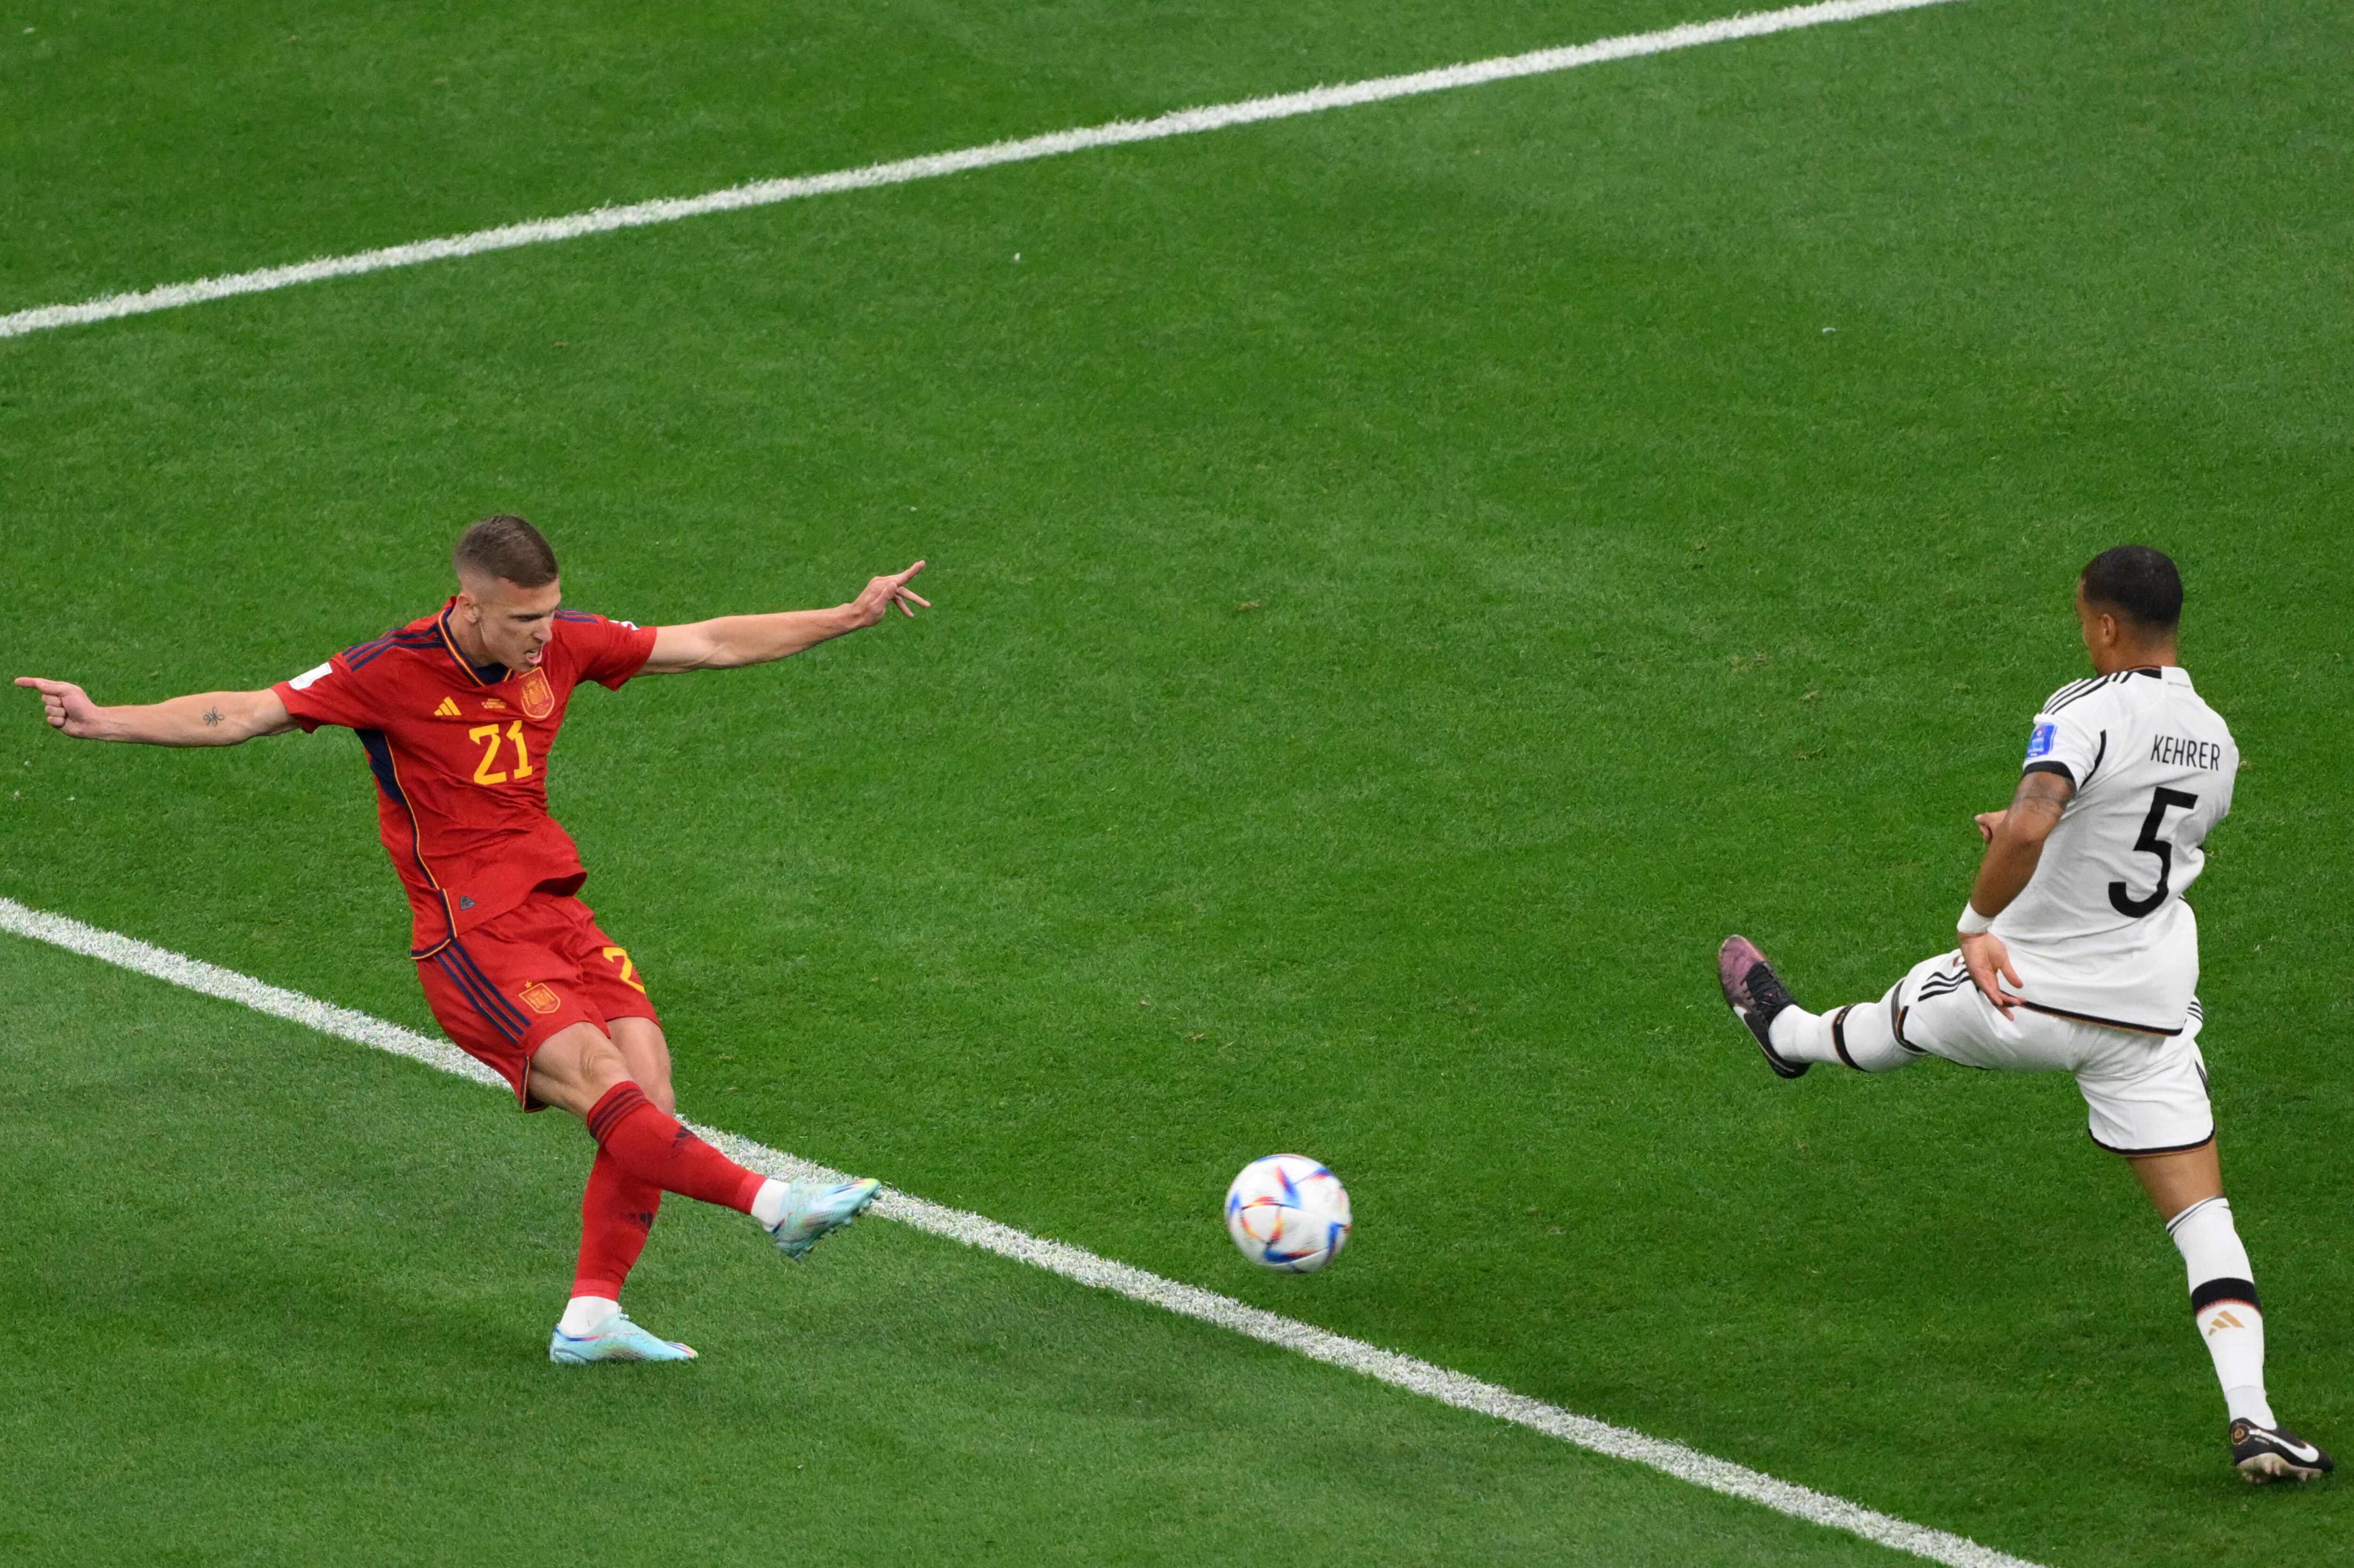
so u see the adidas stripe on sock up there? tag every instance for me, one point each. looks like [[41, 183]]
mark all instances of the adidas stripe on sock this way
[[2223, 1304]]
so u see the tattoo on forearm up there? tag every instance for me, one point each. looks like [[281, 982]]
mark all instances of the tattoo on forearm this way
[[212, 716], [2044, 792]]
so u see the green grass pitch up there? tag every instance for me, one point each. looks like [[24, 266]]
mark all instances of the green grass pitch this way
[[1409, 580]]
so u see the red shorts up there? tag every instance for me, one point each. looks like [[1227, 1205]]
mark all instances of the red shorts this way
[[506, 986]]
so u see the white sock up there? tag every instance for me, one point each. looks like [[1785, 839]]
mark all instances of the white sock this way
[[2235, 1339], [584, 1314], [768, 1204], [2223, 1304], [1802, 1036]]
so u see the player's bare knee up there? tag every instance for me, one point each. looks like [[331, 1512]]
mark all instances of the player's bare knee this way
[[603, 1065], [647, 1055], [576, 1066]]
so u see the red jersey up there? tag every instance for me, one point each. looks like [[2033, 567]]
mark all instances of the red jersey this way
[[460, 755]]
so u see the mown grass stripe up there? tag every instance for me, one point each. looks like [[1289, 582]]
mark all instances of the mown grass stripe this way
[[1117, 133], [1074, 1262]]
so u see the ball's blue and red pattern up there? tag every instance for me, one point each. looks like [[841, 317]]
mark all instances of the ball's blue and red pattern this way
[[1288, 1212]]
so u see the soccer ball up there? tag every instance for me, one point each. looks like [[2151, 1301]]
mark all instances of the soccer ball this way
[[1287, 1212]]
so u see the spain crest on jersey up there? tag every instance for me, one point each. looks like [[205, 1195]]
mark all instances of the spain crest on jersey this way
[[540, 997], [538, 696]]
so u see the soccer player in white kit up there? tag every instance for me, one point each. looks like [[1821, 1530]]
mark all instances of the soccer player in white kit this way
[[2078, 953]]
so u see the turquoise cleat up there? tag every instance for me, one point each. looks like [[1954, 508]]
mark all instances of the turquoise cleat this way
[[615, 1339], [814, 1210]]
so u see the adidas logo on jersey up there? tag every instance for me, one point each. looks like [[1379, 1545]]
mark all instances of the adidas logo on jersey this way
[[449, 709]]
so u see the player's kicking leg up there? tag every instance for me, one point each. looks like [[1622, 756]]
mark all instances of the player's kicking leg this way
[[1792, 1038], [643, 1152], [2147, 1100]]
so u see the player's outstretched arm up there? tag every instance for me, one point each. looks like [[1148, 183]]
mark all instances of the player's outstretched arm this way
[[732, 641], [208, 718], [2014, 848]]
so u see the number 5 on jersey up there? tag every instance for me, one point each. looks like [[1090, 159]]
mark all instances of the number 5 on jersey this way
[[490, 739], [2161, 799]]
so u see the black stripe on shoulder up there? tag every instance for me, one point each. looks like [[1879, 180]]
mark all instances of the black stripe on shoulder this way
[[2083, 689], [2069, 692], [576, 615]]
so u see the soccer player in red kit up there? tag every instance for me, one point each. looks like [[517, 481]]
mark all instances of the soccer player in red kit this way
[[457, 712]]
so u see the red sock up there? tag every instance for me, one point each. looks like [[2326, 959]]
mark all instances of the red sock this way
[[654, 1148], [616, 1213]]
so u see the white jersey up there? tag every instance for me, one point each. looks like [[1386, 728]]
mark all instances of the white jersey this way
[[2101, 932]]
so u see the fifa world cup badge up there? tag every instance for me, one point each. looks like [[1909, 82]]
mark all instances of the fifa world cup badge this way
[[538, 696]]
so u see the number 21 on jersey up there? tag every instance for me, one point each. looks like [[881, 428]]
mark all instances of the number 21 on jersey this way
[[492, 739]]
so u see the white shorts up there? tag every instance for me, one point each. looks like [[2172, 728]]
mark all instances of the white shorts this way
[[2147, 1093]]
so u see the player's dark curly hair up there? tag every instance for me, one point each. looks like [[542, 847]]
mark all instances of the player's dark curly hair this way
[[505, 547], [2137, 582]]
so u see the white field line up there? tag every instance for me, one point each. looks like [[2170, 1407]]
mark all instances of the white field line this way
[[764, 193], [1071, 1262]]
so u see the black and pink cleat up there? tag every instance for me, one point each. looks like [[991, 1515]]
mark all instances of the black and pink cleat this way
[[1755, 993]]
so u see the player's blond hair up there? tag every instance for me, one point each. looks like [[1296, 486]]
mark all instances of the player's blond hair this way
[[505, 547]]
